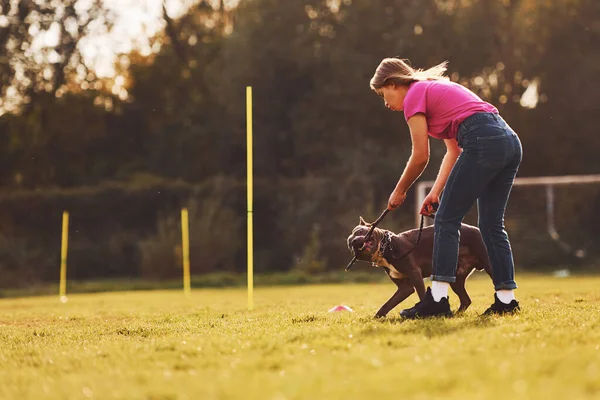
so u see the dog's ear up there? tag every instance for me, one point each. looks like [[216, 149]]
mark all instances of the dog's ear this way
[[361, 221]]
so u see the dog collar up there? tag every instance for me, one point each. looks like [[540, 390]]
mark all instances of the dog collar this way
[[386, 242]]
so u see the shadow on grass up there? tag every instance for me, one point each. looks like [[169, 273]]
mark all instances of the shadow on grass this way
[[431, 327]]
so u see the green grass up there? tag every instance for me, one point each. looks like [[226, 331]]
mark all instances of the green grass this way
[[209, 280], [160, 345]]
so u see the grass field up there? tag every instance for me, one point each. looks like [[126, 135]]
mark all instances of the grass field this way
[[160, 345]]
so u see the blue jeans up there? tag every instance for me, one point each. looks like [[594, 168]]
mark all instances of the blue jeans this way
[[484, 172]]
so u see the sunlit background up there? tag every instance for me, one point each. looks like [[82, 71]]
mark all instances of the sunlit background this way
[[122, 112]]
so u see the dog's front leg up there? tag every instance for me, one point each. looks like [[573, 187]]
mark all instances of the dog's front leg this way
[[405, 289]]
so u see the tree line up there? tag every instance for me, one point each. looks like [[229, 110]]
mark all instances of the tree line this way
[[326, 150]]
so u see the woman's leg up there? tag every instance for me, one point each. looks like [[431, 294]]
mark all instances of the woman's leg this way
[[465, 183], [492, 207]]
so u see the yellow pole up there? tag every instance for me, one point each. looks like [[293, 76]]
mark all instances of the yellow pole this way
[[185, 244], [249, 192], [63, 257]]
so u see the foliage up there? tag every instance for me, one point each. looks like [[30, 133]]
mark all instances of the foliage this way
[[325, 150]]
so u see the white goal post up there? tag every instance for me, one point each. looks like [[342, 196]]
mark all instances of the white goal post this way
[[548, 181]]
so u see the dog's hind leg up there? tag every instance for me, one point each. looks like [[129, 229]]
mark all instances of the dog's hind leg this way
[[461, 291], [480, 251], [405, 289], [487, 267]]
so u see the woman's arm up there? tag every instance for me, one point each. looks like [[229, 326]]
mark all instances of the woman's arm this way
[[452, 153], [417, 161]]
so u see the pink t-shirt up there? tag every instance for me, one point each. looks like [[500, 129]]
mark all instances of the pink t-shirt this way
[[445, 105]]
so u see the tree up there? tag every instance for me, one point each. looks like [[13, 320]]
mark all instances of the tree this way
[[39, 46]]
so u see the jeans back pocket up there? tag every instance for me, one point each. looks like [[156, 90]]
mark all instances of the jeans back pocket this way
[[492, 151]]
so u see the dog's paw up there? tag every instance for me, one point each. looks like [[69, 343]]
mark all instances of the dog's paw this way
[[379, 316]]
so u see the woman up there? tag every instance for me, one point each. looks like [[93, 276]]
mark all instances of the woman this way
[[482, 158]]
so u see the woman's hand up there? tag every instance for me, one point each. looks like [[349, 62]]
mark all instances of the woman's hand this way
[[396, 199], [430, 204], [417, 161]]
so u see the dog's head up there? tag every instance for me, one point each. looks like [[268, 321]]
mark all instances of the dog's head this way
[[364, 250]]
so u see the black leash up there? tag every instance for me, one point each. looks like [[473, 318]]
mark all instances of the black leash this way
[[432, 216]]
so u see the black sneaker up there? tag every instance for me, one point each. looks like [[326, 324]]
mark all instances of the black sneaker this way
[[428, 308], [500, 308]]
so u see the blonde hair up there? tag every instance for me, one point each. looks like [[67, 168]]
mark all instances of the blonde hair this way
[[399, 71]]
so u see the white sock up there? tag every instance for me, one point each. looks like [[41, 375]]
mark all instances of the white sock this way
[[439, 290], [506, 296]]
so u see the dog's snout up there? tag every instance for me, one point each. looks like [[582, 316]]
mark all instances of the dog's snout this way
[[357, 242]]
